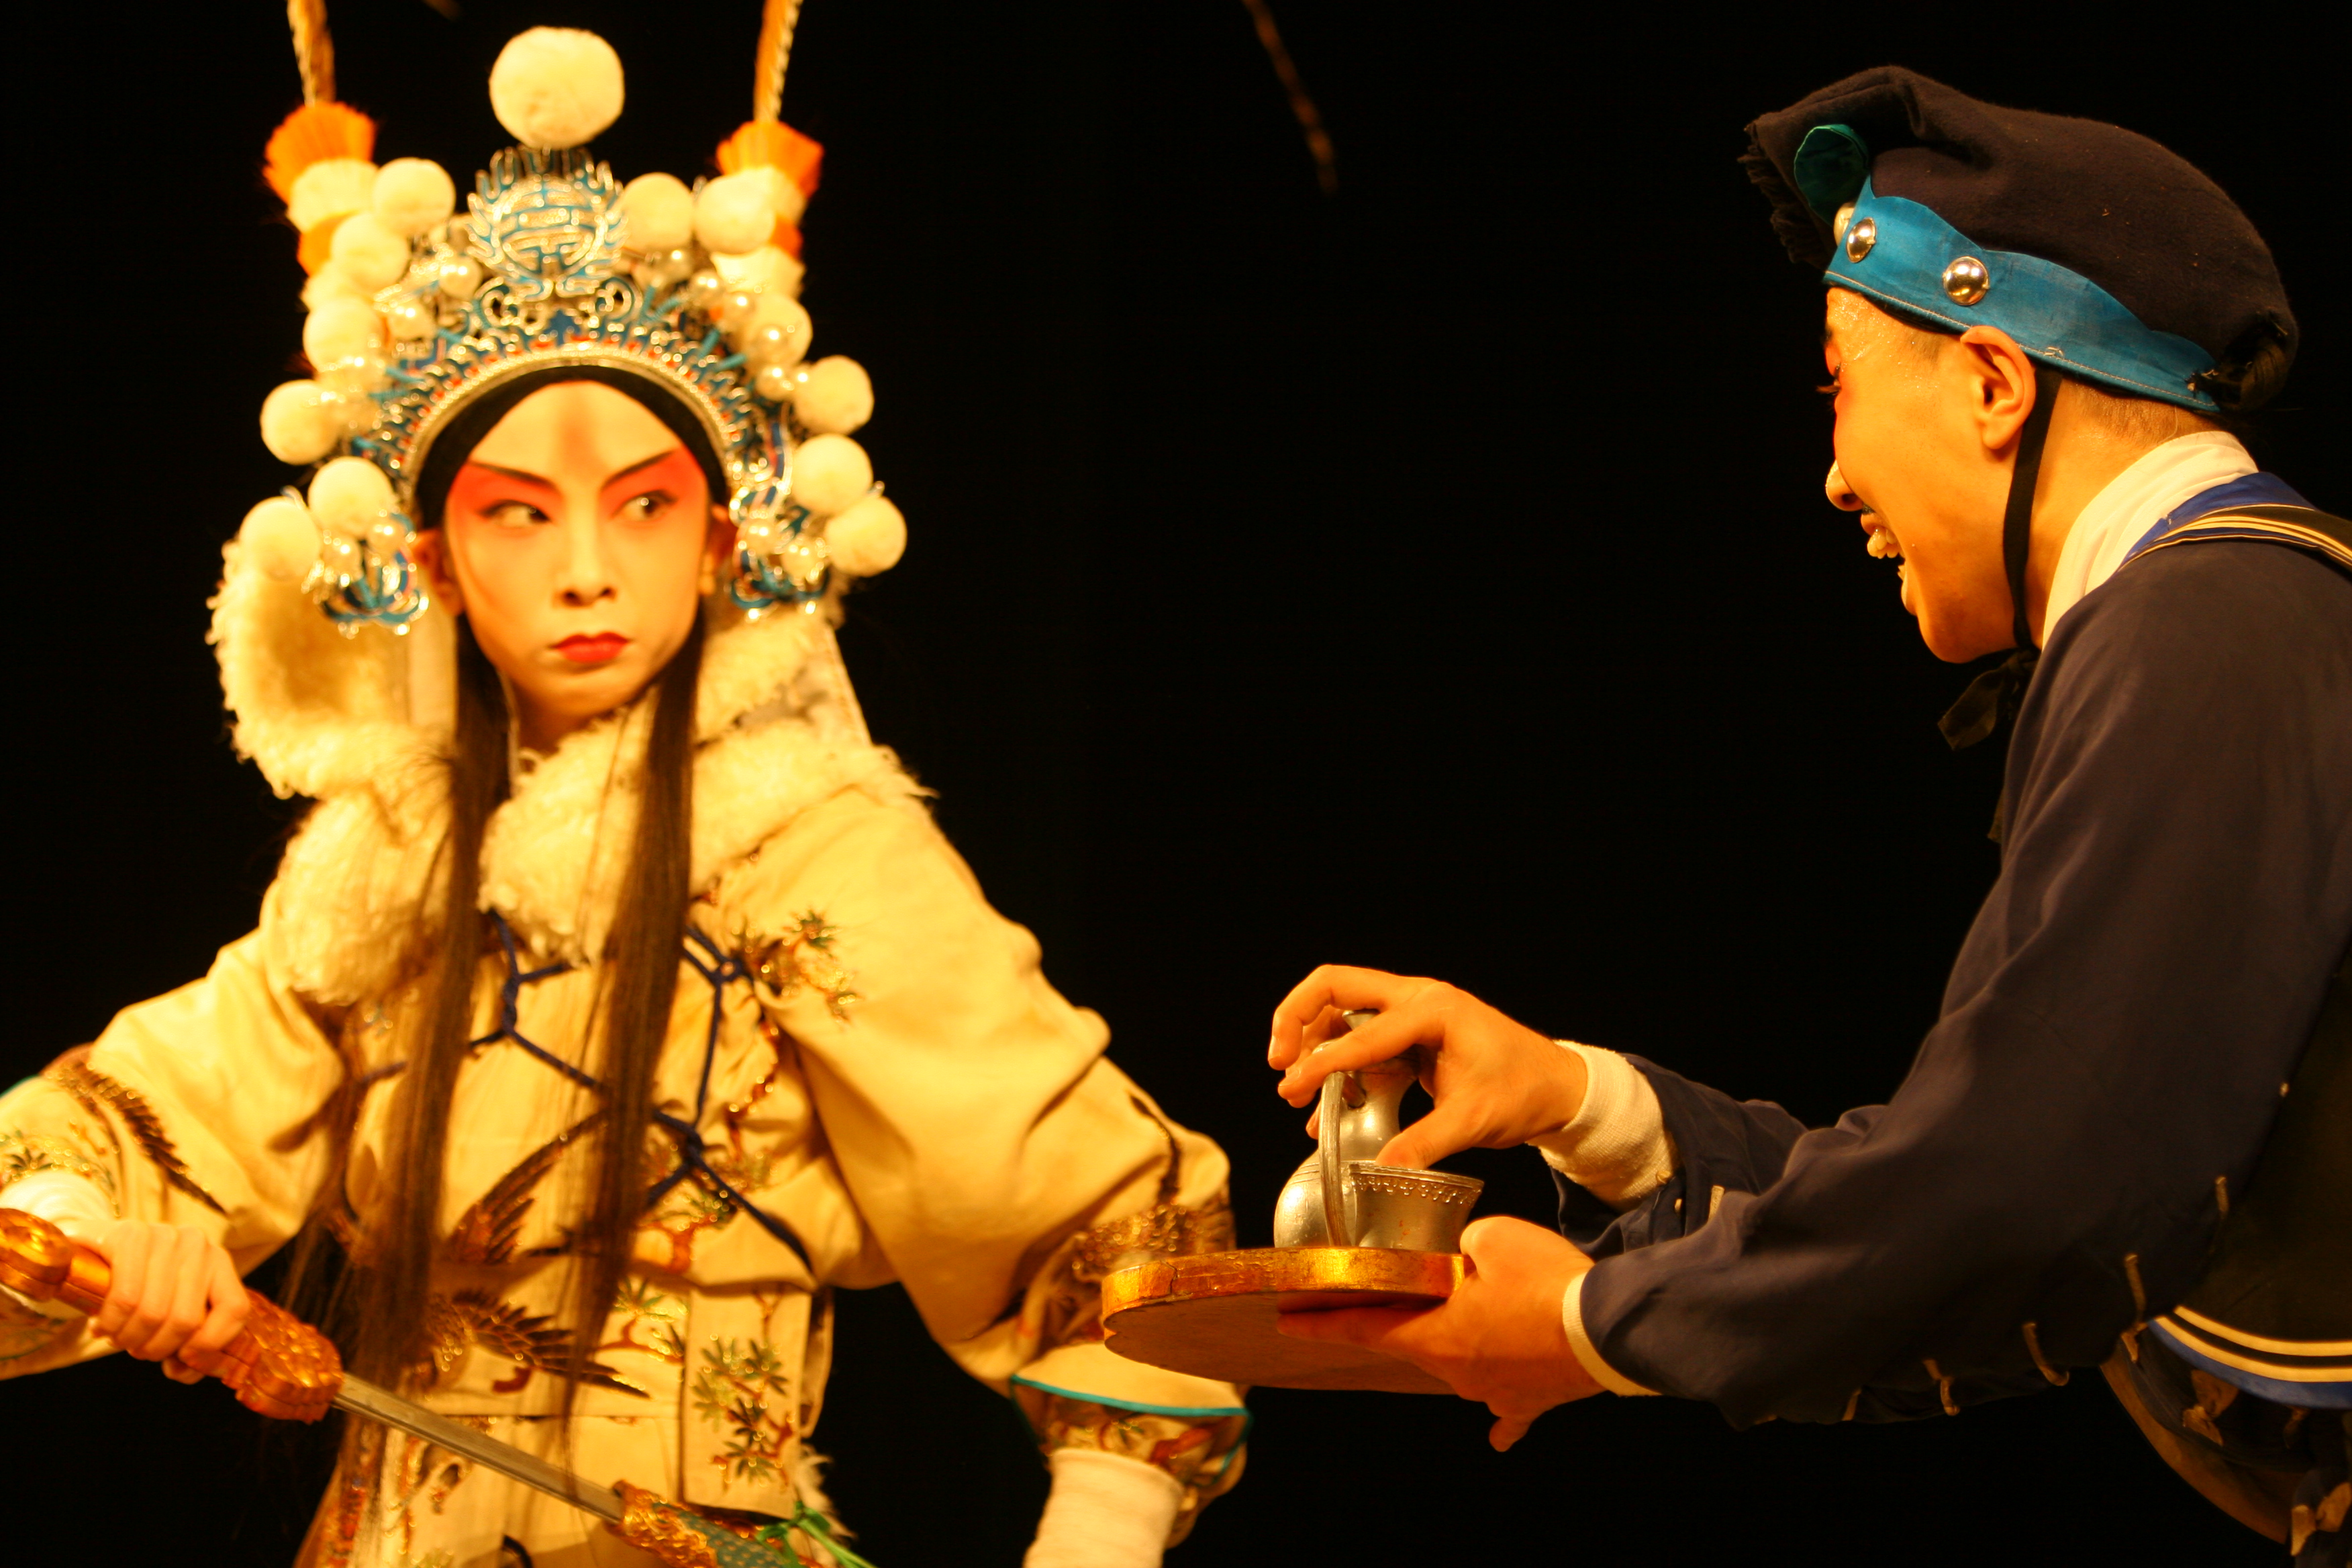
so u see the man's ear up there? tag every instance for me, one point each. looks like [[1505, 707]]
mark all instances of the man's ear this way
[[431, 550], [2000, 378]]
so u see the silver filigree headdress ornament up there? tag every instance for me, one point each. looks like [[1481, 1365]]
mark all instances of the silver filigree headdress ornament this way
[[418, 311]]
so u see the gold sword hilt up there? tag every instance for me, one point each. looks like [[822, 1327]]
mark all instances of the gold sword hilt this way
[[279, 1365], [285, 1369]]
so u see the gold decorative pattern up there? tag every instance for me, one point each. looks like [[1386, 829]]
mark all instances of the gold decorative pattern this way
[[487, 1233], [801, 956], [652, 1525], [1166, 1229], [72, 1073], [534, 1343]]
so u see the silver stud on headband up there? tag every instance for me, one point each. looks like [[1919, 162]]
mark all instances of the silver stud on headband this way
[[1966, 280], [1860, 239]]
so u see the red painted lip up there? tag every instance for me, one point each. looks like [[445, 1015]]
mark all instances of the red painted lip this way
[[601, 648]]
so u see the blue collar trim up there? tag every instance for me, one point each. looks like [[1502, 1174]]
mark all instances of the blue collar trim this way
[[2251, 490]]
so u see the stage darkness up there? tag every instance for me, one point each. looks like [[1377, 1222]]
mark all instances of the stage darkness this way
[[1435, 576]]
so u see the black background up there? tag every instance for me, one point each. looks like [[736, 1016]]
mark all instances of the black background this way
[[1435, 576]]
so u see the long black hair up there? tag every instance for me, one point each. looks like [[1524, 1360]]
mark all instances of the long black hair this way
[[377, 1300]]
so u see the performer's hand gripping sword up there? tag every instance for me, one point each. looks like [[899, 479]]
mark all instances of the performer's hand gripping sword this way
[[284, 1368]]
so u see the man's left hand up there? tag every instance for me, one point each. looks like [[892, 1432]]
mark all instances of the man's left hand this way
[[1498, 1339]]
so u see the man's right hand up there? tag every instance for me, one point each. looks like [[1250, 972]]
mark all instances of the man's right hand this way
[[1497, 1083]]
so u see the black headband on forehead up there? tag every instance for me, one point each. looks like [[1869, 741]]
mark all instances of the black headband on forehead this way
[[466, 429]]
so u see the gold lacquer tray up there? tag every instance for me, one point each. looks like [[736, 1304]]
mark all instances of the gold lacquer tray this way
[[1212, 1315]]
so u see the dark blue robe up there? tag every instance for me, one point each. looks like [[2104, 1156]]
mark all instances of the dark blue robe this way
[[2176, 890]]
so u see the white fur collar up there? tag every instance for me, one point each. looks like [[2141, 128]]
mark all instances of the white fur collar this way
[[361, 724]]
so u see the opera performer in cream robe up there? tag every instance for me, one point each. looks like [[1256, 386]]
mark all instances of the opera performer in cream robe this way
[[618, 1000]]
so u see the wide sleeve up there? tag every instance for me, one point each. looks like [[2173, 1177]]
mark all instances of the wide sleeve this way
[[199, 1107], [1001, 1163], [2114, 1042]]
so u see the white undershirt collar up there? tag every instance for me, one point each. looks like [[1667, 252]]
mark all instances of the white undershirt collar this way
[[2162, 479]]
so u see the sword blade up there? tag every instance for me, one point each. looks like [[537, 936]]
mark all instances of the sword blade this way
[[361, 1397]]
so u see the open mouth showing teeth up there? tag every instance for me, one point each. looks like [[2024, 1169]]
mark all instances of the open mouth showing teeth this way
[[1881, 541]]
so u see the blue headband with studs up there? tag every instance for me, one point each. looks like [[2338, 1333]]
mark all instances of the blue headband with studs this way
[[1899, 253]]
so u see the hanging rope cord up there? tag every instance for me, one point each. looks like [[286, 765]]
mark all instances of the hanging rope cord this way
[[1302, 106], [777, 22], [314, 49]]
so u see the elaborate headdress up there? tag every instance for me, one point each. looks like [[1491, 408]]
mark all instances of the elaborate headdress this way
[[418, 312]]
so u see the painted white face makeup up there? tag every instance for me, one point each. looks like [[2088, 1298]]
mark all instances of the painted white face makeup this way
[[577, 540]]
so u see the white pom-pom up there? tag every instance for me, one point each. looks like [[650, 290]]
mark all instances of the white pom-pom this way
[[556, 86], [786, 199], [833, 396], [333, 283], [661, 213], [329, 188], [868, 537], [299, 424], [348, 495], [340, 329], [776, 333], [412, 195], [281, 539], [770, 269], [830, 472], [369, 253], [733, 215]]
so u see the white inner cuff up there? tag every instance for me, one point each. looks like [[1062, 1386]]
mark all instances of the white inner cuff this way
[[1572, 1318], [1615, 1147]]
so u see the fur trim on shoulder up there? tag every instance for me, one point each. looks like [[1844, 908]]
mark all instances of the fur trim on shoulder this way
[[555, 854], [361, 724], [320, 713]]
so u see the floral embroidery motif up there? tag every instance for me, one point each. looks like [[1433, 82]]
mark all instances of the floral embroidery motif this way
[[741, 1389], [801, 956], [637, 1302], [21, 1153]]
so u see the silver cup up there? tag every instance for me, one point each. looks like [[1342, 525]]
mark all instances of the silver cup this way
[[1418, 1211]]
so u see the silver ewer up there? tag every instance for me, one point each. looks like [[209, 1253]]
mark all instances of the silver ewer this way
[[1342, 1196]]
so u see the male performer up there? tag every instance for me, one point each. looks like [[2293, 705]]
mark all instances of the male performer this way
[[2132, 1124]]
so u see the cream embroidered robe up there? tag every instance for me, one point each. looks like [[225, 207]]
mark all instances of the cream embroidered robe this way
[[860, 1049]]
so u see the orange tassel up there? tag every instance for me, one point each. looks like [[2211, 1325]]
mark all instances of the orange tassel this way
[[319, 244], [312, 134], [786, 238], [771, 144]]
